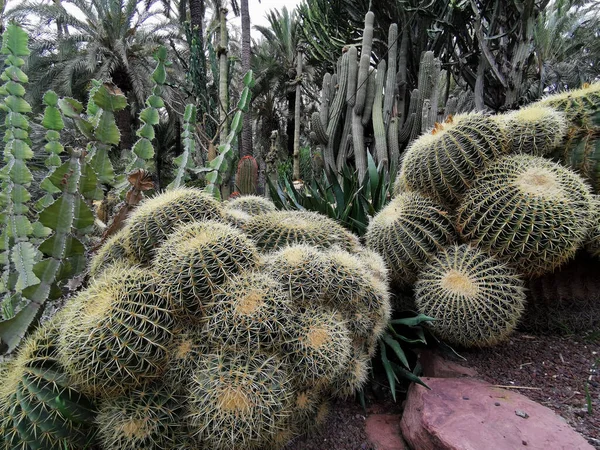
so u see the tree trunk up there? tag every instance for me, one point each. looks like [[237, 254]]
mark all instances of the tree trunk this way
[[223, 77], [296, 166], [289, 131], [246, 141]]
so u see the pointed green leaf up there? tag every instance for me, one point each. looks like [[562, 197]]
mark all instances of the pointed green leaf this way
[[20, 149], [70, 107], [53, 160], [17, 104], [44, 201], [19, 194], [20, 173], [88, 184], [59, 215], [144, 149], [248, 78], [54, 147], [146, 131], [155, 101], [18, 120], [189, 115], [13, 88], [109, 101], [15, 40], [86, 127], [160, 74], [389, 371], [52, 135], [59, 177], [84, 217], [107, 131], [150, 116], [50, 98], [23, 257], [14, 329], [40, 231], [15, 74], [101, 164], [52, 119]]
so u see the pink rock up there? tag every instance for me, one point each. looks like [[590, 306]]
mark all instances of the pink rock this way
[[469, 414], [383, 430], [435, 366]]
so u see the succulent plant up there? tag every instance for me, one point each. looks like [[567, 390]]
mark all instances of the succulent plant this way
[[369, 313], [275, 230], [113, 250], [534, 130], [251, 310], [156, 218], [115, 334], [476, 299], [148, 417], [314, 422], [188, 346], [319, 345], [527, 211], [444, 163], [251, 204], [39, 408], [302, 270], [375, 264], [352, 379], [408, 232], [582, 154], [592, 244], [198, 258], [246, 178], [580, 106], [236, 217], [239, 399]]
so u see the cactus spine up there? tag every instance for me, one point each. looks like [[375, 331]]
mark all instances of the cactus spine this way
[[246, 178]]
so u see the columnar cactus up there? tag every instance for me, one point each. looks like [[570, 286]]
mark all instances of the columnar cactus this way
[[582, 154], [246, 178], [528, 211], [475, 299], [592, 244]]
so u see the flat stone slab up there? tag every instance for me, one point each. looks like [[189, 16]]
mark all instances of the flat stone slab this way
[[469, 414], [436, 366], [383, 430]]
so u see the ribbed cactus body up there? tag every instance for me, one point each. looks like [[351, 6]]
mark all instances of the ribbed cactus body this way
[[246, 178], [239, 399], [250, 311], [113, 250], [301, 270], [99, 341], [390, 79], [582, 154], [39, 408], [197, 259], [149, 417], [319, 345], [365, 62], [352, 75], [251, 204], [408, 232], [592, 244], [188, 346], [275, 230], [475, 299], [581, 107], [335, 114], [527, 211], [156, 218], [381, 151], [444, 163], [325, 96], [534, 130], [353, 378]]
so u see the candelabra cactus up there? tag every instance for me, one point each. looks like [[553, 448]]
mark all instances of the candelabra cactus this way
[[592, 244], [475, 299], [550, 209]]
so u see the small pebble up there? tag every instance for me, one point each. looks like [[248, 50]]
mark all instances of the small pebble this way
[[524, 442], [465, 397], [522, 414], [496, 404]]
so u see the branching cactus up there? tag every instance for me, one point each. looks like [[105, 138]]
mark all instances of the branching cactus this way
[[18, 255], [184, 161]]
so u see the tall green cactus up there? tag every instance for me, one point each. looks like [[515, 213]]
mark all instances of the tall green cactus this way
[[218, 166], [390, 80], [335, 114], [184, 161], [365, 63], [246, 178], [18, 255], [378, 122]]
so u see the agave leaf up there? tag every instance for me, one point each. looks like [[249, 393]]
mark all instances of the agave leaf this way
[[14, 329]]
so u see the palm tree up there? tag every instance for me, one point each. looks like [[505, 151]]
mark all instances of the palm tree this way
[[277, 62], [111, 40]]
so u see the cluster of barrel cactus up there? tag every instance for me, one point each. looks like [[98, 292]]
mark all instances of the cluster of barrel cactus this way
[[516, 190], [202, 330]]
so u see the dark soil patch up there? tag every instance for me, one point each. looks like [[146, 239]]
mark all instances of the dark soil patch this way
[[564, 373]]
